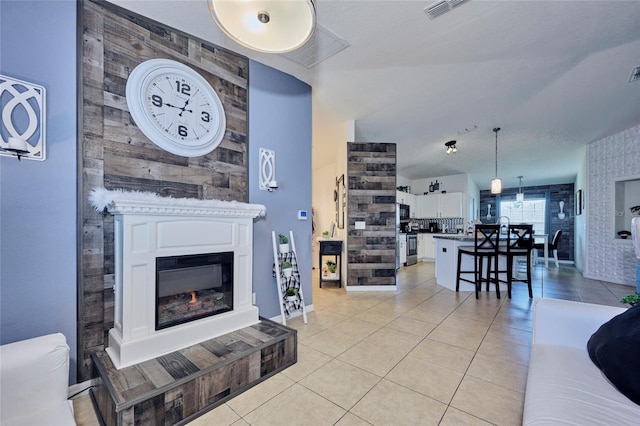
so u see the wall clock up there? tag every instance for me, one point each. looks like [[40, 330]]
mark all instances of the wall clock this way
[[175, 107]]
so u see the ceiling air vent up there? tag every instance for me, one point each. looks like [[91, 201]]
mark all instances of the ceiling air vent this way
[[635, 75], [441, 7], [322, 45]]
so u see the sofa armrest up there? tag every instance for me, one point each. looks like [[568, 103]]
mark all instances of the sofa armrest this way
[[34, 375], [567, 323]]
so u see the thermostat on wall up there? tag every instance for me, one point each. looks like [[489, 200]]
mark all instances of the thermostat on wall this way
[[302, 215]]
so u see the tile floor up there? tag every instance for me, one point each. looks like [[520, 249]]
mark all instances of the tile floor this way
[[419, 356]]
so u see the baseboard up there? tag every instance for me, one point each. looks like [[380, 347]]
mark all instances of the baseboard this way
[[371, 288]]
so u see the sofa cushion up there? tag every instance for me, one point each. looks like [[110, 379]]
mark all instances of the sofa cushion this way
[[565, 387], [615, 349]]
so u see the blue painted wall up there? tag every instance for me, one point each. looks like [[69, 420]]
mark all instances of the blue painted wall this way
[[38, 199], [280, 120]]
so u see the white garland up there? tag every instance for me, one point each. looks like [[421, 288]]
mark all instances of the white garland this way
[[101, 198]]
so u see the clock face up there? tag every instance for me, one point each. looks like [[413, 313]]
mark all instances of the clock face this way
[[175, 107]]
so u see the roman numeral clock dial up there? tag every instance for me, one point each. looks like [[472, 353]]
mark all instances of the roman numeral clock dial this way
[[175, 107]]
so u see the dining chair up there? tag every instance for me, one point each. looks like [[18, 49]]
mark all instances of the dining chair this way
[[485, 248], [519, 243], [552, 247]]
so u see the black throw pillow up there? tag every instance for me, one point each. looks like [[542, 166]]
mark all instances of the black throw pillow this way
[[615, 349]]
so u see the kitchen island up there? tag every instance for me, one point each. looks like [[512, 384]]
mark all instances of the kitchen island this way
[[447, 261]]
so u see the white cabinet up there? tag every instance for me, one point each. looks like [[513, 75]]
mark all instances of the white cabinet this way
[[428, 205], [440, 205], [403, 249], [421, 246], [408, 199], [400, 197], [426, 247], [451, 205]]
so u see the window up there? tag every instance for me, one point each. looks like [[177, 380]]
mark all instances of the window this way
[[529, 211]]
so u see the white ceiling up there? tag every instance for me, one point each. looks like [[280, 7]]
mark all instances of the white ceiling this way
[[554, 75]]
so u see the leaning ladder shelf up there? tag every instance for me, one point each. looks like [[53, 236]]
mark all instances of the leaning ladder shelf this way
[[287, 306]]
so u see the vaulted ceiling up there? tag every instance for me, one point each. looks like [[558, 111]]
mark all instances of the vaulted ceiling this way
[[553, 75]]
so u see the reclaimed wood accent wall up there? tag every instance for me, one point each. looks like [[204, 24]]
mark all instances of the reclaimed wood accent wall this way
[[371, 197], [553, 194], [116, 154]]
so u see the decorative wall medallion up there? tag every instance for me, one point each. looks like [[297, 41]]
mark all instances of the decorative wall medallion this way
[[267, 170], [175, 107], [23, 119]]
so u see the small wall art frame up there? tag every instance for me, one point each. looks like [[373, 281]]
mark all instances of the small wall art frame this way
[[23, 124], [578, 202]]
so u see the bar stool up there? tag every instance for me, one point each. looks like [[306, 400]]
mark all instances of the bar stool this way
[[485, 248], [519, 244]]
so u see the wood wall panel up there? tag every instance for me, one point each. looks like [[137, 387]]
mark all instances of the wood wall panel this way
[[371, 183], [116, 154]]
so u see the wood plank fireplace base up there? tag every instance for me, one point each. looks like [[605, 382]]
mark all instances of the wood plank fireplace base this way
[[180, 386]]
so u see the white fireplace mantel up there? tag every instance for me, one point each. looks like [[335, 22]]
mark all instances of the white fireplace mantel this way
[[147, 226]]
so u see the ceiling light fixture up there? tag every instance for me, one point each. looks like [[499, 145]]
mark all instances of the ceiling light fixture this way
[[269, 26], [496, 183], [520, 194], [451, 147]]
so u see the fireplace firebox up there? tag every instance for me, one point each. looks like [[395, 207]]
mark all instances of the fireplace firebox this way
[[191, 287]]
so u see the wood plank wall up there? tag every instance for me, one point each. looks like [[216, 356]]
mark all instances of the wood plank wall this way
[[115, 154], [553, 194], [371, 188]]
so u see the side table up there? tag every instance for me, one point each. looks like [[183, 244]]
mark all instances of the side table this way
[[331, 248]]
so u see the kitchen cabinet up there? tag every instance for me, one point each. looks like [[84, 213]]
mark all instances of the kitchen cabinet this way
[[421, 246], [408, 199], [428, 205], [403, 249], [440, 205], [429, 247], [451, 205], [426, 247]]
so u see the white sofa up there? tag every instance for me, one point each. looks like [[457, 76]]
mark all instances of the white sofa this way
[[563, 385], [34, 378]]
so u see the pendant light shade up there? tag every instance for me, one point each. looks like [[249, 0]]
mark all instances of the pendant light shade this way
[[496, 186], [496, 183], [269, 26]]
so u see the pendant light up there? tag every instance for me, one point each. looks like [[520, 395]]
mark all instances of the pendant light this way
[[520, 194], [496, 184], [269, 26]]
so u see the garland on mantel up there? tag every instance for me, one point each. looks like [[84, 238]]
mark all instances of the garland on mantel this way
[[101, 198]]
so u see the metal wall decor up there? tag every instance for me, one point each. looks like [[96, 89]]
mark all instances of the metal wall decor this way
[[268, 170], [23, 119], [340, 197]]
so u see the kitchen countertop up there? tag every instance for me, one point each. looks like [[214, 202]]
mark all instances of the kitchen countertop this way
[[455, 237]]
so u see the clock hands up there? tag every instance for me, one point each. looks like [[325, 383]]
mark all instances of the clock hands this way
[[183, 109]]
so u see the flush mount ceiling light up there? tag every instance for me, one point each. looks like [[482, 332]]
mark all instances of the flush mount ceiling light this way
[[451, 147], [520, 194], [496, 183], [269, 26]]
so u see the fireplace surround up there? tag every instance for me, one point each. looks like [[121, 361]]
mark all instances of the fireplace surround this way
[[149, 229]]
